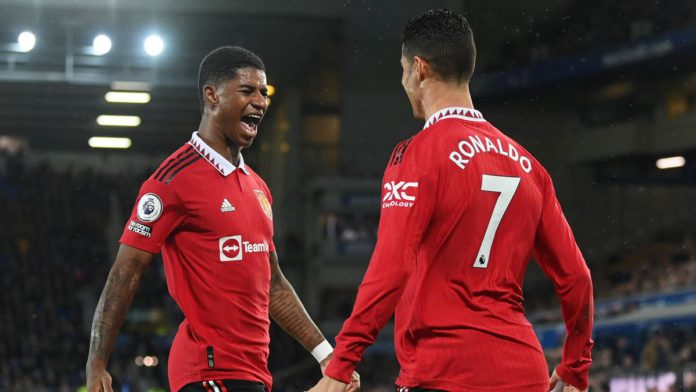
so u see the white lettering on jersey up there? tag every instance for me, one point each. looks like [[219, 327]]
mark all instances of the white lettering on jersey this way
[[233, 248], [139, 228], [467, 150], [397, 194]]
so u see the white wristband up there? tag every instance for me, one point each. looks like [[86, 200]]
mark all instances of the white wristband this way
[[321, 351]]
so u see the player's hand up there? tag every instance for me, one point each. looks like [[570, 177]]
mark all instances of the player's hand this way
[[99, 380], [354, 385], [555, 379]]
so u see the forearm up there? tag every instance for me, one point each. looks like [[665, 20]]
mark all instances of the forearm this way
[[286, 309], [113, 305], [577, 307], [377, 298]]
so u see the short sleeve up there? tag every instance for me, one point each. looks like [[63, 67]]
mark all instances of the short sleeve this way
[[157, 212]]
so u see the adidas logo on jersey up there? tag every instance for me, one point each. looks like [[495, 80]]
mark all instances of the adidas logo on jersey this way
[[226, 206]]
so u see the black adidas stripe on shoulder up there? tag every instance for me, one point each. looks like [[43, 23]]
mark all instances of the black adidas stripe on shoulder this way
[[177, 163], [172, 161], [181, 167], [167, 172], [399, 151]]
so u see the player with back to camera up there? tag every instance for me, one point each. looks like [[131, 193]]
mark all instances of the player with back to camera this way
[[464, 207], [210, 216]]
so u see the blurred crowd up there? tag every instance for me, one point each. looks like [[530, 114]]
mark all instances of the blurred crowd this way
[[54, 258], [652, 352], [350, 234], [52, 246], [664, 265], [580, 26]]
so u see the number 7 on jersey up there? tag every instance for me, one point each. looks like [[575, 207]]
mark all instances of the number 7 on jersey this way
[[506, 186]]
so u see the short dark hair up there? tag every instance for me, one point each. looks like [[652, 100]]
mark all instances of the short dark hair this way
[[222, 64], [443, 38]]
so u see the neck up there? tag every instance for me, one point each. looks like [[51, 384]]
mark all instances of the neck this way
[[212, 134], [439, 95]]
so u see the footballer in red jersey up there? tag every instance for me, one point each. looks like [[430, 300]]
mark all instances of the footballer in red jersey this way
[[464, 208], [210, 216]]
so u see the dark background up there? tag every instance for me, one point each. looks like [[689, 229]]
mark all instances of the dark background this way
[[597, 91]]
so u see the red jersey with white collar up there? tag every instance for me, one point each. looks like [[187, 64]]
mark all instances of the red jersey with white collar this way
[[464, 207], [213, 223]]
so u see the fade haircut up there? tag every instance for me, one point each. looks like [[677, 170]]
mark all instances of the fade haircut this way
[[443, 38], [222, 64]]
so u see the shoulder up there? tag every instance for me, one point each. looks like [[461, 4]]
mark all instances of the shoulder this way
[[399, 151], [253, 174], [536, 169], [175, 164], [257, 178], [165, 180], [428, 146]]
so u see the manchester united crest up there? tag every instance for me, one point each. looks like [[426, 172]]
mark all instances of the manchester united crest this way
[[265, 204]]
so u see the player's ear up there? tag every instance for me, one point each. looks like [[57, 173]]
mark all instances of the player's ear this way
[[421, 68], [211, 95]]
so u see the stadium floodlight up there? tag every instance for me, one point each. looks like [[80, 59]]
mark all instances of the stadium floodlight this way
[[670, 162], [150, 361], [271, 90], [125, 85], [127, 97], [108, 120], [109, 142], [101, 45], [26, 41], [153, 45]]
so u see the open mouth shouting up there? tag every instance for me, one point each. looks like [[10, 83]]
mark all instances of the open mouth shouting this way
[[250, 124]]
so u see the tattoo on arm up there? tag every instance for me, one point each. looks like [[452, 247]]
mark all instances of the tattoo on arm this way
[[113, 305], [286, 309]]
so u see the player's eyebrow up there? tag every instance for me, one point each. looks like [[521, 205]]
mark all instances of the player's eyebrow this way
[[250, 87], [253, 87]]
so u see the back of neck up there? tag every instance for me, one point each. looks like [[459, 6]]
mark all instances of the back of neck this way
[[445, 95]]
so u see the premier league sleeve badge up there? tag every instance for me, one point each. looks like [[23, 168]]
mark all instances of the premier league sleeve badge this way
[[149, 207]]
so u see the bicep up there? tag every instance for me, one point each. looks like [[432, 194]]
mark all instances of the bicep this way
[[555, 247], [276, 274], [131, 259]]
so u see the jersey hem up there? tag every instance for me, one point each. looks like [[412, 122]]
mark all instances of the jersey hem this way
[[181, 382], [154, 249], [447, 385]]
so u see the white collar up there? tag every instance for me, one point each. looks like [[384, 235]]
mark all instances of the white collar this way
[[455, 112], [219, 162]]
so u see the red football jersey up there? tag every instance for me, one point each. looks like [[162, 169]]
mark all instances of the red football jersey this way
[[213, 224], [464, 208]]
